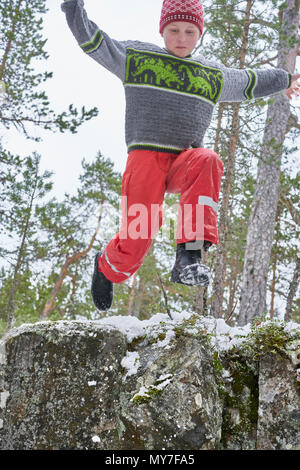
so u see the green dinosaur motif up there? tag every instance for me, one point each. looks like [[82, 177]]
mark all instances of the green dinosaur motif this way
[[165, 72], [206, 85], [156, 71]]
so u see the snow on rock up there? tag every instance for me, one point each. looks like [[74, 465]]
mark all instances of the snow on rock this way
[[92, 383], [131, 362], [148, 391], [223, 336]]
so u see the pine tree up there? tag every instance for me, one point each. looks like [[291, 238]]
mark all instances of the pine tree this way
[[10, 168], [263, 215], [22, 199], [21, 45]]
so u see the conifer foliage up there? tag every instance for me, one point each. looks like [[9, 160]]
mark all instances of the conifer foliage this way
[[22, 48]]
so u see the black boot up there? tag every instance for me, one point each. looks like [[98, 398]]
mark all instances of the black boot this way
[[188, 268], [102, 288]]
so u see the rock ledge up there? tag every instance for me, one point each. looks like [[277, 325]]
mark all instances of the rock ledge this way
[[119, 383]]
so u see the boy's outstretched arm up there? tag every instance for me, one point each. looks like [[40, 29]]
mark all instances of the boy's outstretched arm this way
[[248, 84], [92, 40]]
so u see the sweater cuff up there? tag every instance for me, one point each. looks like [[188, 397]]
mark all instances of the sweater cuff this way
[[289, 80]]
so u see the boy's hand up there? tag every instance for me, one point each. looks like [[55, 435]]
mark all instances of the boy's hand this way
[[294, 89]]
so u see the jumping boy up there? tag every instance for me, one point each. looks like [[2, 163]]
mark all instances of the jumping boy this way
[[170, 98]]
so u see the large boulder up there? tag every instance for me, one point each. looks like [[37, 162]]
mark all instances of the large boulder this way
[[61, 386], [124, 384]]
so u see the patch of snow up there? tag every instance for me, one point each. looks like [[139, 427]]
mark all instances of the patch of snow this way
[[226, 375], [143, 392], [162, 378], [96, 439], [159, 385], [131, 362], [163, 381], [165, 343], [226, 337], [2, 353], [3, 398], [292, 327]]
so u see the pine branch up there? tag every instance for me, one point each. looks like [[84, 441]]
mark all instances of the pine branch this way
[[164, 294], [290, 206]]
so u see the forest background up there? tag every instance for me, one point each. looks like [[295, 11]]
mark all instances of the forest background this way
[[62, 154]]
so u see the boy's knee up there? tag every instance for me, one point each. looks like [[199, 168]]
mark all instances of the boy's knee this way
[[209, 156], [216, 158]]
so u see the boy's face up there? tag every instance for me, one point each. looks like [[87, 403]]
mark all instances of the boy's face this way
[[181, 38]]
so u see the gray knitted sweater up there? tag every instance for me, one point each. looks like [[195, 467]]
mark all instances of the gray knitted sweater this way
[[169, 100]]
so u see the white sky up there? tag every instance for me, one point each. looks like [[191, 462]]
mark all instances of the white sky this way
[[80, 80]]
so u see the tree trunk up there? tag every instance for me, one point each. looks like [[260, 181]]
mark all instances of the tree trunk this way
[[273, 285], [292, 291], [290, 207], [132, 295], [201, 294], [164, 294], [139, 298], [274, 259], [13, 291], [264, 207], [220, 266], [232, 291]]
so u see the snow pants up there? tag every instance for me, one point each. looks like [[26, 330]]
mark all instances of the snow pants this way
[[194, 173]]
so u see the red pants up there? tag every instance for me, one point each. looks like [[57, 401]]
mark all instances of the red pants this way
[[195, 173]]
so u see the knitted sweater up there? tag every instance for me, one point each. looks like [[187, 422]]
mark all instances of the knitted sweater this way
[[169, 100]]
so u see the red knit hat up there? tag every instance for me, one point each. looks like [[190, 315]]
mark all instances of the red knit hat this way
[[182, 10]]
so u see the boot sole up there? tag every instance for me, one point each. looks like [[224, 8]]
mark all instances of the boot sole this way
[[195, 275], [192, 275]]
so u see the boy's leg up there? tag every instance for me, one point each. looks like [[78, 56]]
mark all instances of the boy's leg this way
[[196, 174], [143, 189]]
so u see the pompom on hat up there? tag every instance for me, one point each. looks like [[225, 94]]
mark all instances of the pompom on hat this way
[[182, 10]]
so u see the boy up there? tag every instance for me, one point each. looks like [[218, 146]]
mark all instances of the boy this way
[[170, 97]]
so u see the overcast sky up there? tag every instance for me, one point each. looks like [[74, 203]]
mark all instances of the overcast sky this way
[[80, 80]]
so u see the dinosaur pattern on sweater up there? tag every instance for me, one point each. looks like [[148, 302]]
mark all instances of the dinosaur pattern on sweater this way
[[177, 75]]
